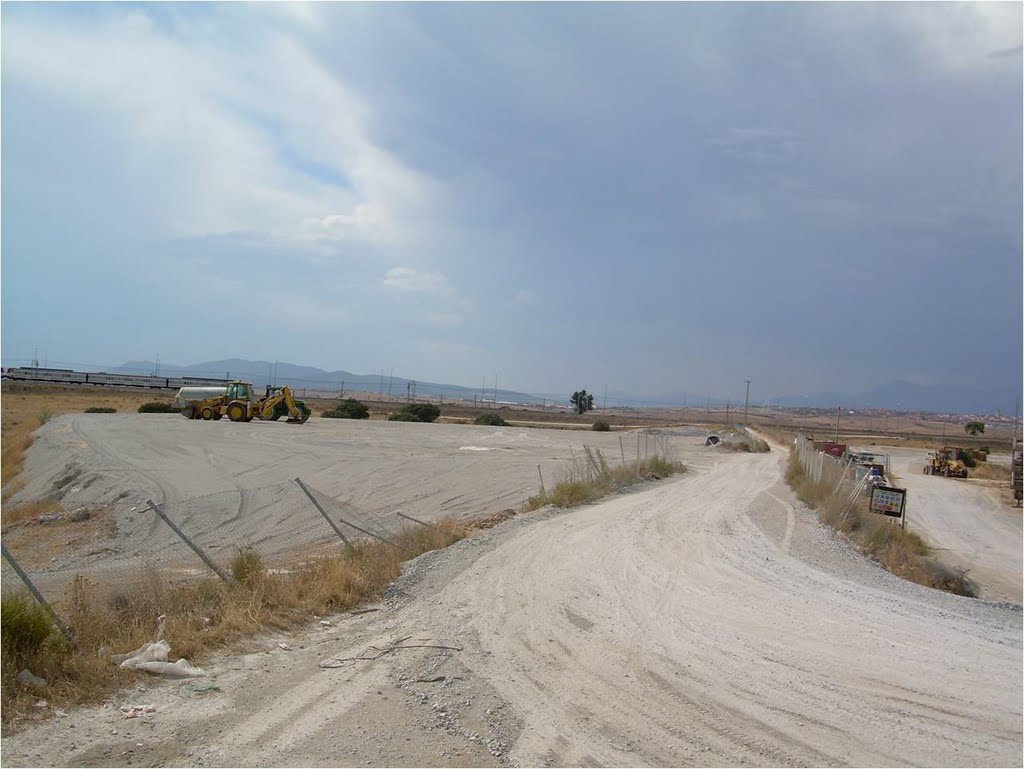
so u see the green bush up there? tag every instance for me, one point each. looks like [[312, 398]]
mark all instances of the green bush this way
[[490, 418], [403, 416], [100, 410], [416, 412], [157, 407], [349, 408], [24, 625], [600, 426], [425, 412]]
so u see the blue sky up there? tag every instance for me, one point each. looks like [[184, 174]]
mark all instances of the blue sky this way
[[649, 197]]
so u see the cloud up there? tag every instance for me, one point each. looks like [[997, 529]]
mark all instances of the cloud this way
[[203, 134], [408, 279], [443, 318], [1003, 53], [763, 144]]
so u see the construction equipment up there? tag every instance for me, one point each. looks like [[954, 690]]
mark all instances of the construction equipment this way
[[946, 461], [1016, 467], [237, 402]]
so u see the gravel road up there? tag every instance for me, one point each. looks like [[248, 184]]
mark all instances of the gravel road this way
[[707, 620]]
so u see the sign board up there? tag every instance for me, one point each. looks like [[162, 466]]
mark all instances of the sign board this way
[[886, 500]]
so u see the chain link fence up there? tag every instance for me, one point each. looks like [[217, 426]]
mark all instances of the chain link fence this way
[[180, 540], [844, 477]]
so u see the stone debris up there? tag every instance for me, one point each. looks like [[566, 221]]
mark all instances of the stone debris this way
[[28, 678]]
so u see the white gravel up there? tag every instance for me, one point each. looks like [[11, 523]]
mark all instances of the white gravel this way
[[707, 620]]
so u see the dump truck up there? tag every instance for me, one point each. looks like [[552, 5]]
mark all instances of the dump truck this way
[[236, 401], [947, 462]]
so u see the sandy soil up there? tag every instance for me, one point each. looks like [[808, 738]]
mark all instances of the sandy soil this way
[[967, 522], [708, 620]]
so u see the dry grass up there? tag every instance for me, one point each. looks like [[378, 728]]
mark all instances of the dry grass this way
[[747, 445], [590, 478], [987, 471], [203, 615], [902, 552]]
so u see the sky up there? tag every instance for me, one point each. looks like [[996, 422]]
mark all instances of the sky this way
[[648, 198]]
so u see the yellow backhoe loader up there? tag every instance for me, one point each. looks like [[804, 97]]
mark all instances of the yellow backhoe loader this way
[[237, 402]]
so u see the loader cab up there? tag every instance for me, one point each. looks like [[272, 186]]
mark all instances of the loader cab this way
[[239, 391]]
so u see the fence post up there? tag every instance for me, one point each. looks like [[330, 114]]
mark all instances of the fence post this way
[[323, 512], [195, 548], [543, 491], [37, 595], [622, 451]]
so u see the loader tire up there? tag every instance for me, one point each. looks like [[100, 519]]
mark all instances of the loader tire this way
[[206, 413], [236, 412]]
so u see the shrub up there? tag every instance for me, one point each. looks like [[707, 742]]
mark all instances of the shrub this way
[[157, 407], [600, 426], [403, 416], [100, 410], [490, 418], [349, 408], [425, 412], [416, 412], [24, 625], [247, 566], [748, 445]]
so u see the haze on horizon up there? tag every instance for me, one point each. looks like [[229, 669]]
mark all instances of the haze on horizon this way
[[650, 197]]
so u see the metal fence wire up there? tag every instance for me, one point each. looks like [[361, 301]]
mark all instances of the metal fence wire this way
[[285, 524], [843, 476]]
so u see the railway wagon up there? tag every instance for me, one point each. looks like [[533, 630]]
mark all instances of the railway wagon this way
[[68, 376]]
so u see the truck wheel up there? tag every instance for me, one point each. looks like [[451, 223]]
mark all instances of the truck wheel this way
[[217, 415], [206, 413], [236, 412]]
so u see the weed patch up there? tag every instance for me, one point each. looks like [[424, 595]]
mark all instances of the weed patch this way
[[198, 615], [590, 478], [157, 407]]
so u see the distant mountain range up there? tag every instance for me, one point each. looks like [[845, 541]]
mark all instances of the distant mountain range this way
[[905, 396]]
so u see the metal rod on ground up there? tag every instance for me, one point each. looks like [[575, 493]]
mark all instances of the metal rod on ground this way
[[37, 595], [323, 512], [541, 475], [416, 520], [369, 533], [622, 451], [195, 548]]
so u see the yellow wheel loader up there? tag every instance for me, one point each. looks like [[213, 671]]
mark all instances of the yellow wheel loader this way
[[945, 462]]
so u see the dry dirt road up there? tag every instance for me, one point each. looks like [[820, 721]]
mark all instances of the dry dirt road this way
[[967, 523], [701, 621]]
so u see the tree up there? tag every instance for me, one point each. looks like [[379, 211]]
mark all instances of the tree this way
[[582, 401], [974, 428]]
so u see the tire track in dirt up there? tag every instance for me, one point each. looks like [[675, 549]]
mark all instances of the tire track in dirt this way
[[665, 628]]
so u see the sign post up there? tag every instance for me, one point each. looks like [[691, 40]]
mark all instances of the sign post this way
[[886, 500]]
